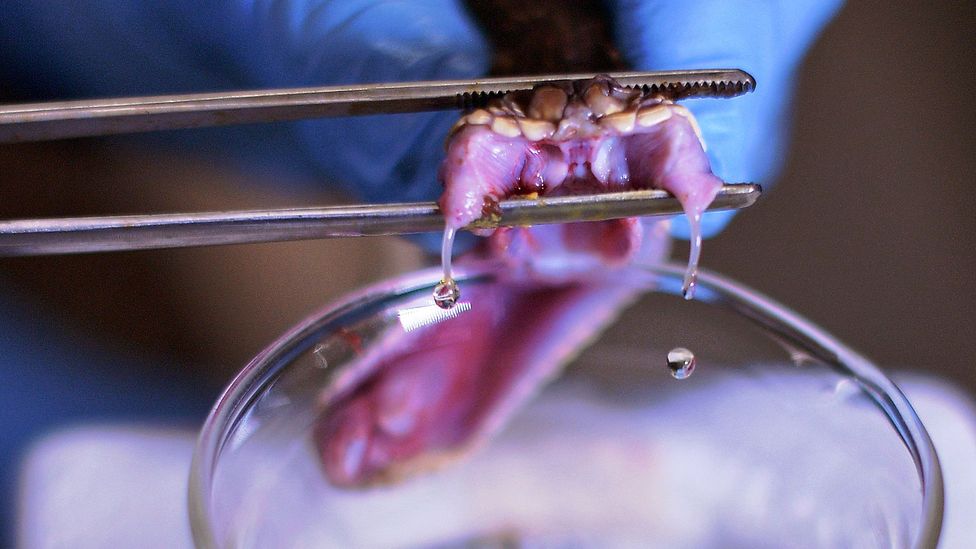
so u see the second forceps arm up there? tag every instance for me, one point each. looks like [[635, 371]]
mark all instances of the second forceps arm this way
[[140, 232]]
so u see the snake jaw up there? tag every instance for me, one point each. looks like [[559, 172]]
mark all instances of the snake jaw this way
[[585, 137]]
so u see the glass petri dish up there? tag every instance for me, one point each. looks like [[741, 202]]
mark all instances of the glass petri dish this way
[[781, 437]]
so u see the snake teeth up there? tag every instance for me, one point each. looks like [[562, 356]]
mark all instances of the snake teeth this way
[[548, 103]]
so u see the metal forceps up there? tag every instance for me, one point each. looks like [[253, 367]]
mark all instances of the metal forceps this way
[[44, 121]]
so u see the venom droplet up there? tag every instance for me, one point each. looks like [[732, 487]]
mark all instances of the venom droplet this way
[[681, 362], [446, 293]]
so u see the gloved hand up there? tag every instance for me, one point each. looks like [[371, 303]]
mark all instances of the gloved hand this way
[[746, 136]]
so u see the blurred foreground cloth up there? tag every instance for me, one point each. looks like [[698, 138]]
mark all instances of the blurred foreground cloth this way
[[125, 486]]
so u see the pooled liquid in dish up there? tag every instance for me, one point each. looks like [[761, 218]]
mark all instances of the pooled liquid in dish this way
[[588, 137]]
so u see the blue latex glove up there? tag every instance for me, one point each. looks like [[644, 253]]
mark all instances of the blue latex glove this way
[[746, 136]]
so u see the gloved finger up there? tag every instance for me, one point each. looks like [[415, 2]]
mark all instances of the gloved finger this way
[[379, 158], [377, 41], [746, 136]]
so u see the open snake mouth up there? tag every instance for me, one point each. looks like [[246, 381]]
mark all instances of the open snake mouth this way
[[585, 137], [421, 398]]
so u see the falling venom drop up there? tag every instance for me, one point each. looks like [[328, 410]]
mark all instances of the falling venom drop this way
[[681, 362]]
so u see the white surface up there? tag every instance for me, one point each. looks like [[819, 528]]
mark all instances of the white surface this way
[[106, 486], [113, 486]]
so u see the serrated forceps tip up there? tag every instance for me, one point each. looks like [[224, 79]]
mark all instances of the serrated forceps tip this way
[[66, 119]]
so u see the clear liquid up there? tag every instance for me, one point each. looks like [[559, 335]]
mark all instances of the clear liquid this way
[[691, 273], [681, 362], [447, 293]]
